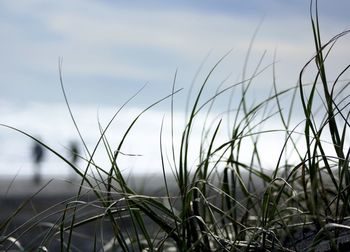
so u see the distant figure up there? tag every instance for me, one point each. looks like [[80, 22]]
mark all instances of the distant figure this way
[[74, 155], [38, 156]]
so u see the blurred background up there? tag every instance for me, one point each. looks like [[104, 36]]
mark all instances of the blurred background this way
[[111, 49]]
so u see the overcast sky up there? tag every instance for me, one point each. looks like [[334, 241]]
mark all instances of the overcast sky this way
[[112, 48]]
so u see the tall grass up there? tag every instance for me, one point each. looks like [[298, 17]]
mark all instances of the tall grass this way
[[222, 203]]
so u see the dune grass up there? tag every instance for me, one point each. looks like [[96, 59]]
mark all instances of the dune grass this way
[[222, 203]]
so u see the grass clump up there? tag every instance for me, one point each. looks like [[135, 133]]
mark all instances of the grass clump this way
[[222, 202]]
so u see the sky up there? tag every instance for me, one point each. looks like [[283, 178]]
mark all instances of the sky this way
[[111, 49]]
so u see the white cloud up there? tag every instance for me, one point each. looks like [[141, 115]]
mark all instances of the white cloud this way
[[97, 38]]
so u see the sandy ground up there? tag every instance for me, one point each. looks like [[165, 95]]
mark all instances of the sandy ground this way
[[45, 204]]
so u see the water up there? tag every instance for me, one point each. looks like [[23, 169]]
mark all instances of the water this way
[[141, 150], [53, 125]]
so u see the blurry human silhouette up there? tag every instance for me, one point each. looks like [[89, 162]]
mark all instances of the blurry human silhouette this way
[[74, 156], [38, 154]]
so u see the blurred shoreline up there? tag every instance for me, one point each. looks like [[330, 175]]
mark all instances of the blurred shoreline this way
[[25, 186]]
